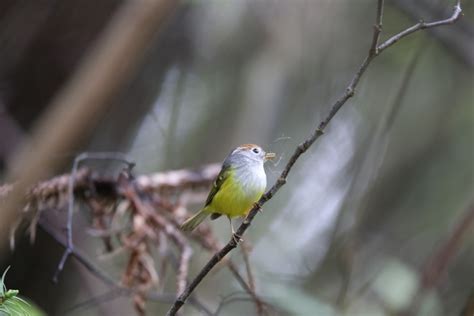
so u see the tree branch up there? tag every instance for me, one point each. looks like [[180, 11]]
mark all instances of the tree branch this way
[[377, 28], [56, 193], [457, 40], [303, 147], [423, 25]]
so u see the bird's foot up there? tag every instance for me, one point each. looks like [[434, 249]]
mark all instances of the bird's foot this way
[[237, 238]]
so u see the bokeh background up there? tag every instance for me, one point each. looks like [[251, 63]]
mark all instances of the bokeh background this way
[[364, 210]]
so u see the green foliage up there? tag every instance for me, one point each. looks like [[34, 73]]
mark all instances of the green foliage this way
[[12, 304]]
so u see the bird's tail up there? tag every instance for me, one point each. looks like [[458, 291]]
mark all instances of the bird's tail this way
[[194, 220]]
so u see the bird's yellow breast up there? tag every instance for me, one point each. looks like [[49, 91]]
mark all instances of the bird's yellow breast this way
[[235, 198]]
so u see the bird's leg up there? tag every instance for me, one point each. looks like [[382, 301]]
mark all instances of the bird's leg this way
[[236, 237]]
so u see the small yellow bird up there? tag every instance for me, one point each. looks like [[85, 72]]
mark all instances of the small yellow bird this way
[[240, 183]]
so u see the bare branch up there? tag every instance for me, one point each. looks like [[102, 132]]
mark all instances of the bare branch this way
[[260, 304], [302, 148], [85, 179], [422, 25], [377, 28], [457, 39], [245, 247]]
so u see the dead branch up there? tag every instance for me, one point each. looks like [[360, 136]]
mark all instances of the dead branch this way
[[111, 199], [303, 147], [148, 200], [87, 180], [147, 214]]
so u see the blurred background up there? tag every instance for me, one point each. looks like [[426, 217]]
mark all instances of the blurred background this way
[[365, 211]]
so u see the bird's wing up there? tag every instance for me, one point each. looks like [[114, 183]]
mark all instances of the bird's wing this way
[[216, 186]]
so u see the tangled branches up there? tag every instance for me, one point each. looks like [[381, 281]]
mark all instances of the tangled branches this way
[[134, 216]]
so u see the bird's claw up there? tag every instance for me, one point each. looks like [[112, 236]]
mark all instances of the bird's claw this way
[[237, 238]]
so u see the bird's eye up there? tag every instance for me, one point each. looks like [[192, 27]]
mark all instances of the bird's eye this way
[[255, 150]]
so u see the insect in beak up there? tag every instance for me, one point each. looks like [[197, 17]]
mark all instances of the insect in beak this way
[[269, 156]]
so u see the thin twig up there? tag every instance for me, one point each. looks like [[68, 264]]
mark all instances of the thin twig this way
[[93, 301], [457, 40], [259, 302], [70, 210], [377, 28], [98, 273], [302, 148], [422, 25], [244, 246], [229, 300], [245, 254]]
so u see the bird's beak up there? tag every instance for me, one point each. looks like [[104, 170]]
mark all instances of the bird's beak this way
[[269, 156]]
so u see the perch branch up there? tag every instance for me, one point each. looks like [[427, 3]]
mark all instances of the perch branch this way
[[303, 147]]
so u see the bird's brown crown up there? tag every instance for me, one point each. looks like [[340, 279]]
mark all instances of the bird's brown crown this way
[[248, 146]]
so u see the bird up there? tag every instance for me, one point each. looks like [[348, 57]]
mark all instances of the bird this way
[[238, 186]]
